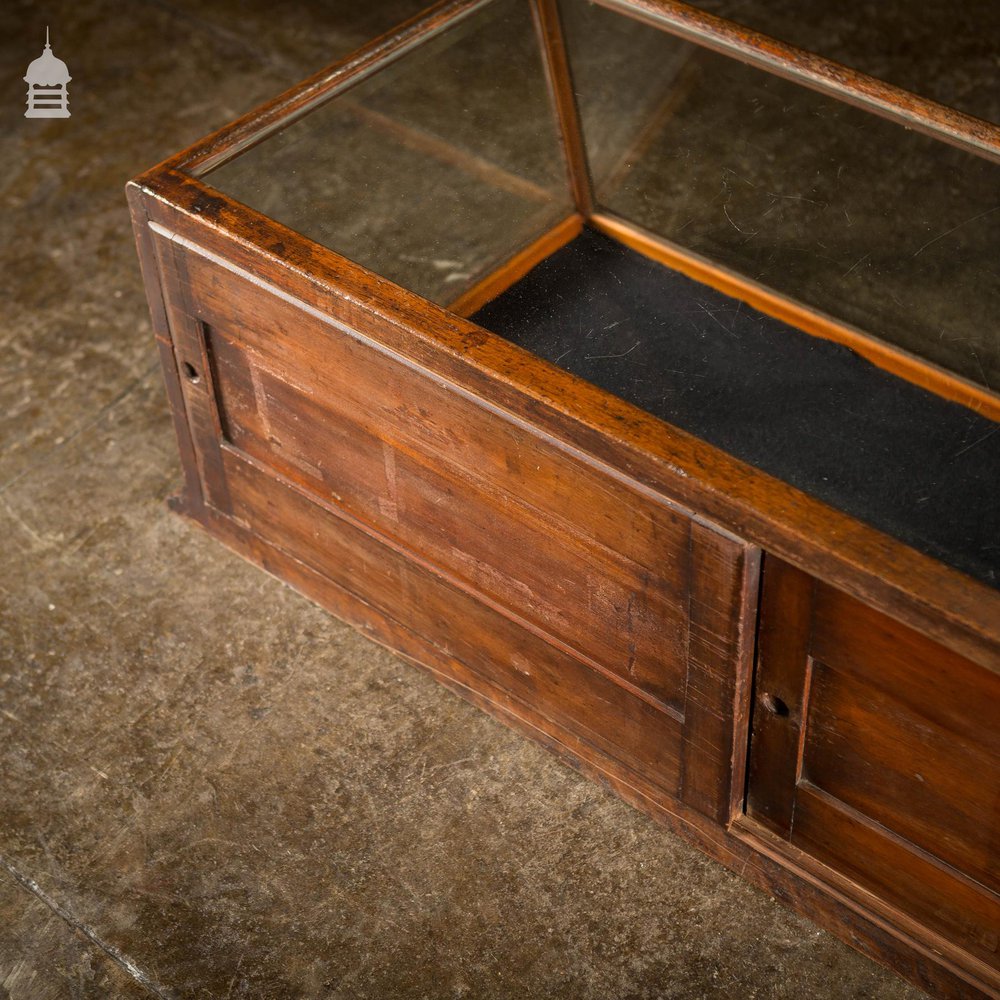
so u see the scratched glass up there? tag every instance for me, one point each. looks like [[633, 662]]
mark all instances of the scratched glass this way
[[433, 170], [944, 51], [882, 228]]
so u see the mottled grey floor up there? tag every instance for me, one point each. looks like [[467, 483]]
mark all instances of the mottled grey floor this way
[[208, 787]]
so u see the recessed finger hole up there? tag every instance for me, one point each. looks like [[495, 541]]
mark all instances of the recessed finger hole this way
[[774, 704], [190, 372]]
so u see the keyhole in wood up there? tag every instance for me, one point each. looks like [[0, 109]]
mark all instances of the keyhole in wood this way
[[774, 704], [190, 372]]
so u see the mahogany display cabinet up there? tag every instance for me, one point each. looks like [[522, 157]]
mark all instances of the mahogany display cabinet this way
[[633, 372]]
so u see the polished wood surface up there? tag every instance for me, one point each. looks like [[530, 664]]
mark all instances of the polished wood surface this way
[[484, 643], [258, 297], [612, 434], [621, 616], [720, 649], [878, 752], [832, 900], [582, 570]]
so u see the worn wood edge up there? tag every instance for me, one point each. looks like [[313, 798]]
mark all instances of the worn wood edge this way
[[816, 72], [784, 666], [742, 695], [965, 967], [894, 360], [616, 437], [775, 747], [518, 266], [198, 394], [792, 878], [251, 128], [150, 270], [805, 788], [559, 78], [719, 670]]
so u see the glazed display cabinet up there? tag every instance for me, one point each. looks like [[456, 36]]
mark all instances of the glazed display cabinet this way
[[633, 372]]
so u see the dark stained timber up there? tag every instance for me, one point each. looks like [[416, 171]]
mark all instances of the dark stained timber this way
[[808, 691]]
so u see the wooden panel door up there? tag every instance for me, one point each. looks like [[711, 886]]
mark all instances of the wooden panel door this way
[[877, 751], [601, 613]]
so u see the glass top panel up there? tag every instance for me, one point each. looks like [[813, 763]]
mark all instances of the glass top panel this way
[[875, 225], [943, 51], [431, 171]]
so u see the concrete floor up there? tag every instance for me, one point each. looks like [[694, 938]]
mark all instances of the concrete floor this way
[[208, 787]]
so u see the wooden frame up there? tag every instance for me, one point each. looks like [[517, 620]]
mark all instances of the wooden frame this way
[[732, 513], [923, 592], [816, 72], [824, 76], [801, 67], [518, 266], [561, 88], [891, 359]]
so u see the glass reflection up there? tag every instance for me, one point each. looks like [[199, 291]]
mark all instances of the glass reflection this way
[[433, 170], [883, 228]]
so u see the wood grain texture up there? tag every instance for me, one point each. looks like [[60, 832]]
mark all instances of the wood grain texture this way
[[883, 762], [487, 645], [937, 896], [194, 370], [780, 688], [931, 754], [722, 614], [627, 443], [800, 882], [539, 554], [592, 565], [151, 278], [941, 970]]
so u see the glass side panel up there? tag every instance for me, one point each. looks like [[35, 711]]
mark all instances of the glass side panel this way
[[878, 226], [944, 51], [431, 171]]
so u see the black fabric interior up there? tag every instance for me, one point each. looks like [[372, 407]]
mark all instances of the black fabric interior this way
[[802, 409]]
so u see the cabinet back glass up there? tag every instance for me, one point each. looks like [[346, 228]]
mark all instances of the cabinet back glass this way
[[882, 228]]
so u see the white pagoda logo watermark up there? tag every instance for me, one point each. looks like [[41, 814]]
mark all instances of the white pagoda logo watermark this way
[[47, 78]]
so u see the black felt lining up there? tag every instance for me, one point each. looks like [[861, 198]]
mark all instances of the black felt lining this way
[[804, 410]]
